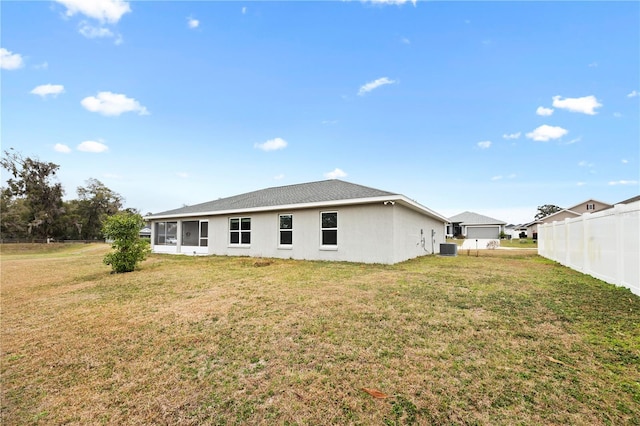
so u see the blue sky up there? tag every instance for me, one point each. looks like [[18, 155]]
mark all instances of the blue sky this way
[[492, 107]]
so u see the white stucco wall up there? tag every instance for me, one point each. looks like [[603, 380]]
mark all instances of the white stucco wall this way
[[412, 234], [371, 233], [364, 235]]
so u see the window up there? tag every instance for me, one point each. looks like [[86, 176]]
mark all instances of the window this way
[[329, 228], [591, 206], [194, 233], [240, 230], [166, 234], [204, 234], [286, 229]]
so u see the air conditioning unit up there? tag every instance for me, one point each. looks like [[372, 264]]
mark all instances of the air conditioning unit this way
[[448, 249]]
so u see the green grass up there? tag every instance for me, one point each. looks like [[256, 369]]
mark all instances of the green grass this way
[[504, 338], [519, 243]]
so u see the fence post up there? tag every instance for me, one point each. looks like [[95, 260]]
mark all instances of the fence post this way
[[586, 266], [618, 210]]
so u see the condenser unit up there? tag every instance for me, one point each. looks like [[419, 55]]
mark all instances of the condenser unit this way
[[448, 249]]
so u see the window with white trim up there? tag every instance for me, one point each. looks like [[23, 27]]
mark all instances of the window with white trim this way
[[240, 231], [329, 228], [166, 234], [286, 230], [204, 233]]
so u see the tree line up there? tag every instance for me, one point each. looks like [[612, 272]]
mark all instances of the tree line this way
[[32, 204]]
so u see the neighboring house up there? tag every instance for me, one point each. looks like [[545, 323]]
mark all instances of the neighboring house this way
[[627, 201], [514, 231], [474, 225], [145, 232], [325, 220], [588, 206]]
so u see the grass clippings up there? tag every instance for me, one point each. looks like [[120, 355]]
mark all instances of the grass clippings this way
[[504, 338]]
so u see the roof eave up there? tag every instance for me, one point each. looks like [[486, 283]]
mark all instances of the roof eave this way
[[331, 203]]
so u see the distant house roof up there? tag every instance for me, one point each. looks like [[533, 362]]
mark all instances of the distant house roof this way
[[630, 200], [471, 218], [304, 195], [590, 200]]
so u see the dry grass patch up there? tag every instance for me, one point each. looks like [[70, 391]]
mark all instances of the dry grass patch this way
[[503, 338]]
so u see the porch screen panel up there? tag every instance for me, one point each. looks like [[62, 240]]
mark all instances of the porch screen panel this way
[[190, 233]]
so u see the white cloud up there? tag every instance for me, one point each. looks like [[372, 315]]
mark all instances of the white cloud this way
[[193, 23], [633, 94], [103, 10], [545, 133], [9, 60], [244, 10], [405, 40], [484, 144], [107, 103], [59, 147], [374, 85], [574, 140], [623, 182], [335, 174], [617, 114], [48, 89], [585, 105], [495, 178], [512, 135], [593, 65], [581, 183], [272, 144], [544, 111], [42, 66], [92, 146], [279, 177], [112, 176], [624, 161], [584, 163], [90, 31], [182, 175]]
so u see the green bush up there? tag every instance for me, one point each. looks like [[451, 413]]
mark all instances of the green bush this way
[[123, 229]]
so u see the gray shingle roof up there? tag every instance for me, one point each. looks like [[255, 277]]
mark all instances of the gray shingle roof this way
[[471, 218], [312, 192]]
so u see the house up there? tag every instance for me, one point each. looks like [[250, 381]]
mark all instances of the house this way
[[325, 220], [514, 232], [588, 206], [145, 232], [476, 226]]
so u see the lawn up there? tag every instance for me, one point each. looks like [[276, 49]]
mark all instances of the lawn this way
[[506, 337]]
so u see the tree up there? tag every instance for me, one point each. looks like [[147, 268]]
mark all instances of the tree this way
[[123, 228], [14, 216], [95, 203], [32, 183], [547, 210]]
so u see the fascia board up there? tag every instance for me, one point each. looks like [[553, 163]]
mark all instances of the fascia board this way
[[332, 203]]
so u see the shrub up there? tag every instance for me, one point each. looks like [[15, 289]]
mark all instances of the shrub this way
[[123, 229]]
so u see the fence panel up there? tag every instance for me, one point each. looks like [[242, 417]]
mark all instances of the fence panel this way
[[605, 244]]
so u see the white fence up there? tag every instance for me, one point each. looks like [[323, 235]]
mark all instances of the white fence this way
[[605, 244]]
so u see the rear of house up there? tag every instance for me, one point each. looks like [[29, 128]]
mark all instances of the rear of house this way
[[326, 220]]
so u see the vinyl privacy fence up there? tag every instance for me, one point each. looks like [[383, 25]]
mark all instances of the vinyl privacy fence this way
[[605, 245]]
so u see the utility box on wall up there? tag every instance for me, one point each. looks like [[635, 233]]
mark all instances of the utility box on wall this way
[[448, 249]]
